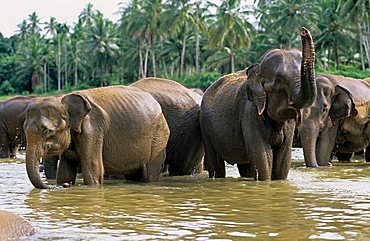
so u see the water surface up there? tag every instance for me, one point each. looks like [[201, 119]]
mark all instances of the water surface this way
[[313, 204]]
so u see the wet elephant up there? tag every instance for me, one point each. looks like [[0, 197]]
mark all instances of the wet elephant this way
[[248, 117], [14, 227], [181, 108], [336, 120], [117, 130], [12, 116]]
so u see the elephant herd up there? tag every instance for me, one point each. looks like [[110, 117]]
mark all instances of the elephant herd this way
[[246, 118]]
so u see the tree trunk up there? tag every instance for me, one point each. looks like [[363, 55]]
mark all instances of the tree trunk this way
[[153, 58], [141, 70], [146, 62], [65, 66], [183, 51], [58, 65], [45, 80], [232, 61]]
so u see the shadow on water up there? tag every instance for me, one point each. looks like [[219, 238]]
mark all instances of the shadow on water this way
[[318, 204]]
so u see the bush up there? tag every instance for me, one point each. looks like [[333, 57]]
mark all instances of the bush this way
[[347, 71], [201, 81], [6, 88]]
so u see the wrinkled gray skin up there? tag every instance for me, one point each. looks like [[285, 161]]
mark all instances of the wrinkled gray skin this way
[[117, 130], [335, 120], [181, 107], [14, 227], [12, 116], [248, 117]]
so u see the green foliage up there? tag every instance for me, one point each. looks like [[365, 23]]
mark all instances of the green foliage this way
[[6, 88], [179, 40], [201, 81], [347, 71]]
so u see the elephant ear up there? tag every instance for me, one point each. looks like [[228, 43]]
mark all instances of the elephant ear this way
[[342, 105], [255, 90], [78, 107]]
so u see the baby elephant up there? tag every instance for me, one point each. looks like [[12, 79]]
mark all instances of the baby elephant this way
[[13, 227]]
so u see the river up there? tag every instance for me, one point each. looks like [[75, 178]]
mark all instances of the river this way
[[313, 204]]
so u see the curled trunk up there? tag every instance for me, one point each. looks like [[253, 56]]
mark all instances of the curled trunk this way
[[33, 154], [307, 93]]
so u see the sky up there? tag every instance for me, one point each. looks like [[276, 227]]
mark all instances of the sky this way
[[13, 12]]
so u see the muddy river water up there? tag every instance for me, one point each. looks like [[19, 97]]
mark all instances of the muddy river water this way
[[313, 204]]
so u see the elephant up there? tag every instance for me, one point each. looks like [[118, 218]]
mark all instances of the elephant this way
[[14, 227], [248, 117], [13, 114], [113, 130], [181, 107], [336, 121]]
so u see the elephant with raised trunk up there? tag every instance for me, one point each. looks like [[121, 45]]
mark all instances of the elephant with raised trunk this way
[[117, 130], [248, 117], [337, 120], [181, 108]]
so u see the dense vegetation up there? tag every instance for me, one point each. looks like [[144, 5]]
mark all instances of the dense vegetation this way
[[190, 41]]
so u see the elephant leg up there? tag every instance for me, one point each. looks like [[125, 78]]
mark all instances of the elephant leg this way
[[14, 150], [344, 157], [67, 171], [215, 164], [245, 170], [136, 176], [50, 166], [153, 169], [367, 154]]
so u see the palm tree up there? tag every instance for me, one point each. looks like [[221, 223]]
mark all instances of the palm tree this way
[[279, 17], [335, 32], [152, 16], [51, 27], [230, 30], [180, 18], [23, 29], [101, 45], [358, 12], [30, 60], [34, 23]]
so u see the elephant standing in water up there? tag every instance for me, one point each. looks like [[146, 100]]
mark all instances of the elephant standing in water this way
[[248, 117], [12, 116], [337, 120], [181, 108], [117, 130], [14, 227]]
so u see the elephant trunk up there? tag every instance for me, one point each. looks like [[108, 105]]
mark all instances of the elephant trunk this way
[[33, 154], [308, 141], [307, 93]]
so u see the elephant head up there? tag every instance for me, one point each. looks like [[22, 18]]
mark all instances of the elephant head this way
[[283, 82], [354, 133], [320, 121], [48, 127]]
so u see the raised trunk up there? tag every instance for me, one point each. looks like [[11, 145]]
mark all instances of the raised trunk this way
[[33, 154], [307, 91]]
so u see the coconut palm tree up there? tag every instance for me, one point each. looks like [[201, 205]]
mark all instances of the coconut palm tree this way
[[230, 30], [101, 45], [30, 60]]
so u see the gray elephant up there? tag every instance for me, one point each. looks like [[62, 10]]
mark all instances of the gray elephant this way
[[12, 116], [117, 130], [248, 118], [337, 120], [14, 227], [181, 108]]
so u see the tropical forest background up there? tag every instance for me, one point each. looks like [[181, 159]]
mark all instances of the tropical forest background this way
[[192, 42]]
